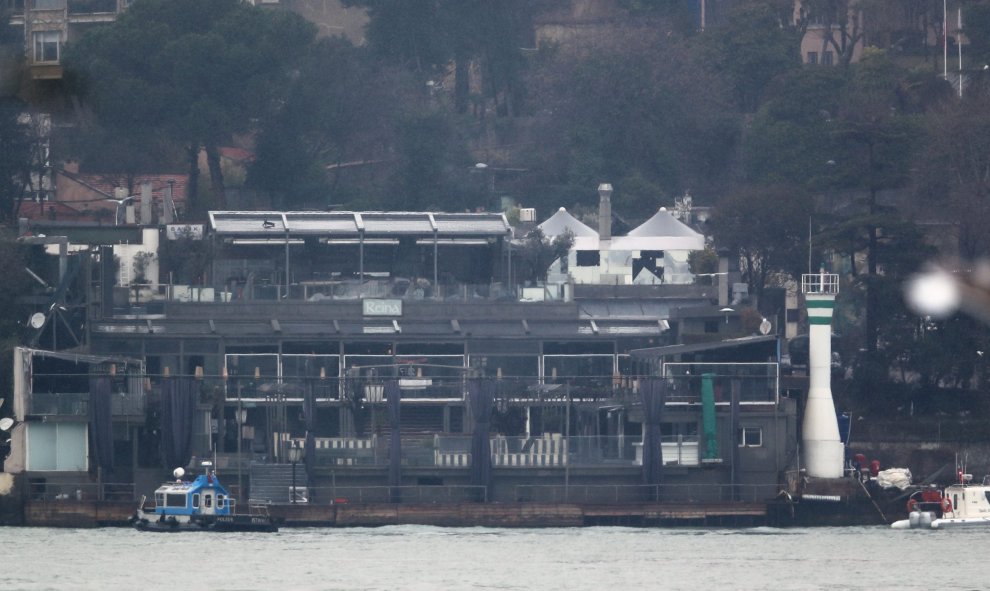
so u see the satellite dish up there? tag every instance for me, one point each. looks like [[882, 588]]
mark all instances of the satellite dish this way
[[6, 423], [37, 320], [178, 472], [765, 327]]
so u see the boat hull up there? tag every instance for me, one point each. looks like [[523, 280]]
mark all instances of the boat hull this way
[[220, 523]]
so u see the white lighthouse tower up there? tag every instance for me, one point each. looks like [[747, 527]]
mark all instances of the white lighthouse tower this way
[[824, 454]]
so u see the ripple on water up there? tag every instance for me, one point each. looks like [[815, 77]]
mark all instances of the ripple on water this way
[[430, 558]]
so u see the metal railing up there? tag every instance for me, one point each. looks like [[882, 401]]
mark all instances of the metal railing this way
[[76, 404], [81, 491], [638, 493], [406, 494], [369, 390], [138, 295], [551, 450]]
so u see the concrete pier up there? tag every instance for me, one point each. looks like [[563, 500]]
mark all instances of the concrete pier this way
[[71, 513]]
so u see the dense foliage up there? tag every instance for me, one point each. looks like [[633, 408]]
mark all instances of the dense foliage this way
[[799, 161]]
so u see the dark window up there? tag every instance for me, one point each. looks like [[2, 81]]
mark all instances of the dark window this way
[[827, 58], [175, 500], [220, 500], [812, 57], [207, 501], [196, 501], [750, 437], [588, 258], [46, 46]]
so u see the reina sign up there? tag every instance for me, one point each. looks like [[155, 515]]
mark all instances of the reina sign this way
[[382, 307]]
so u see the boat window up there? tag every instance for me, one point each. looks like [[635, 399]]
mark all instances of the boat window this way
[[955, 502], [987, 494], [160, 499], [175, 500], [196, 501], [207, 500], [219, 501]]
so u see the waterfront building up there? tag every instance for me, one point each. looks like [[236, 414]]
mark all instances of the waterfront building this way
[[365, 356]]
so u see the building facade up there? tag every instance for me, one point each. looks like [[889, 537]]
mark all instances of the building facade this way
[[356, 344]]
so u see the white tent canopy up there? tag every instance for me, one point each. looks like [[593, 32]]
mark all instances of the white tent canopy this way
[[661, 232], [556, 225]]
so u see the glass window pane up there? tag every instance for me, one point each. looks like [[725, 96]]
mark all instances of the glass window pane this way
[[71, 447], [41, 446]]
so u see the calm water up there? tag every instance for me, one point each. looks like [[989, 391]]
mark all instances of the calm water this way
[[415, 557]]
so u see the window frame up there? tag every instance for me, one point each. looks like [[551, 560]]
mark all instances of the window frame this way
[[41, 40], [742, 440]]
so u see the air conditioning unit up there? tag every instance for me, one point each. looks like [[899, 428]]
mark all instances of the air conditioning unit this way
[[527, 214]]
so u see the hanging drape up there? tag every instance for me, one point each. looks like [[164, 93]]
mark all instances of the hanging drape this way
[[178, 408], [481, 398], [101, 423], [309, 416], [393, 397], [653, 393]]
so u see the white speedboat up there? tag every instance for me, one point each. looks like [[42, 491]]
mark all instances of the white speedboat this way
[[958, 505]]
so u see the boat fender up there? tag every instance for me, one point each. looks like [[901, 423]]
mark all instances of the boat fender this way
[[946, 505]]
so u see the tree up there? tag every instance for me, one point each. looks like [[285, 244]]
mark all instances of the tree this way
[[841, 22], [752, 48], [634, 104], [977, 30], [199, 71], [766, 228], [340, 110], [539, 252], [428, 35], [790, 138], [186, 258], [15, 158], [952, 169], [875, 139]]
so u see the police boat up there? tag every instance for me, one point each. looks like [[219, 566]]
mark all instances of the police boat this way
[[200, 505]]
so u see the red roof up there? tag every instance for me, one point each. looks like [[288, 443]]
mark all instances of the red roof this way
[[107, 182]]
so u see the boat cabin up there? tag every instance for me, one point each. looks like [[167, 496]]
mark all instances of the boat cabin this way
[[203, 496], [968, 501]]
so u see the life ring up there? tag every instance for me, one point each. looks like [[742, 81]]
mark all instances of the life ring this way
[[946, 505], [912, 505]]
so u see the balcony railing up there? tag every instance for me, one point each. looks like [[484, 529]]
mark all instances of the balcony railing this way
[[152, 297], [76, 404], [682, 389], [550, 450]]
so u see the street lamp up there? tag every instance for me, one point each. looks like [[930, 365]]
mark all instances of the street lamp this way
[[295, 454]]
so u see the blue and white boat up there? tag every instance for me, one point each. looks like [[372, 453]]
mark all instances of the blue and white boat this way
[[200, 505]]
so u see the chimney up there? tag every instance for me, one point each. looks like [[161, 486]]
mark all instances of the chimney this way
[[168, 204], [145, 204], [723, 277], [605, 211]]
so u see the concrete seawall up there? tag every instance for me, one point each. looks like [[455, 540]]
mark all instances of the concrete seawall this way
[[71, 513]]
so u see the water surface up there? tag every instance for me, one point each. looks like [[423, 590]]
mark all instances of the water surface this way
[[427, 558]]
